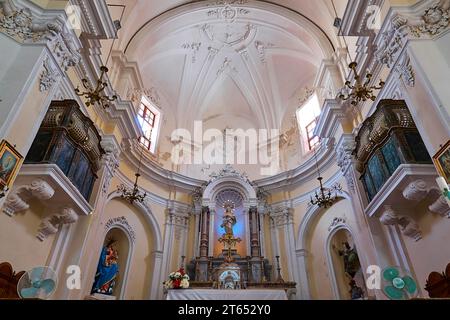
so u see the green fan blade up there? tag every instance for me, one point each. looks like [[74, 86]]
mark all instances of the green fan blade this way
[[47, 285], [390, 274], [28, 293], [394, 293], [410, 284], [36, 274]]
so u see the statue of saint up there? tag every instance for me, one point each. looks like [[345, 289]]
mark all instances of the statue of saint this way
[[351, 260], [229, 220], [107, 270]]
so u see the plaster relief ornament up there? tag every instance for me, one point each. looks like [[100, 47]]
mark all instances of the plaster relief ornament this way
[[435, 20]]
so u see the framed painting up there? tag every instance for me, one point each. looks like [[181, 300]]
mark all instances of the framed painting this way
[[442, 161], [10, 162]]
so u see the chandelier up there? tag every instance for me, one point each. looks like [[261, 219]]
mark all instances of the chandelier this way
[[360, 91], [324, 198], [133, 195], [96, 95]]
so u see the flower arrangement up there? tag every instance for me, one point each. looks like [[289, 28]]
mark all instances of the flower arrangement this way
[[177, 280]]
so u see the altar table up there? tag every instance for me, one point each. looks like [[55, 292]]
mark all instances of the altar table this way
[[214, 294]]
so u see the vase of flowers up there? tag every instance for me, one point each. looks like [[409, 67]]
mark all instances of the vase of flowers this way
[[177, 280]]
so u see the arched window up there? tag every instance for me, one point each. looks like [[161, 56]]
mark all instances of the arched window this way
[[149, 119], [307, 116]]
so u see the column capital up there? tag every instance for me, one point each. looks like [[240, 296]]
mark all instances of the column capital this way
[[281, 215]]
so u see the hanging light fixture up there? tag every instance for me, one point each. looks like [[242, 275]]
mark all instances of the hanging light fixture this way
[[324, 198], [97, 94], [133, 195], [360, 90]]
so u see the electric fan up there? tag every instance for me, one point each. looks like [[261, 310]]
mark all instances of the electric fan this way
[[39, 283], [398, 284]]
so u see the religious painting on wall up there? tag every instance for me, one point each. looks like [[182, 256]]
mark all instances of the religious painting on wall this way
[[107, 270], [442, 161], [10, 161]]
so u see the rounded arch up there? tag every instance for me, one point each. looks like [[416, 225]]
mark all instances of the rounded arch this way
[[311, 214], [112, 230], [330, 263], [229, 183], [322, 38], [149, 217]]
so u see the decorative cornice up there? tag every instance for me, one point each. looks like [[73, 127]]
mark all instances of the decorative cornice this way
[[305, 172], [96, 19], [330, 118]]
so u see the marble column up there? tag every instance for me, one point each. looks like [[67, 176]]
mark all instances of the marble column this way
[[201, 272]]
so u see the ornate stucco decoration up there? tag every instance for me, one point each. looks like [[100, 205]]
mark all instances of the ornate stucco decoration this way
[[19, 25], [48, 77], [261, 47], [135, 95], [194, 47], [337, 221], [407, 225], [20, 200], [50, 225], [123, 222], [110, 160], [17, 201], [281, 216], [228, 171], [22, 26], [345, 158], [435, 20]]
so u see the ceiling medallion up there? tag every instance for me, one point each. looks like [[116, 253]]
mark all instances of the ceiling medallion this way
[[96, 95], [360, 91]]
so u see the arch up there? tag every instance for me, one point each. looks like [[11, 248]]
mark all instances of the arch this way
[[149, 217], [322, 38], [155, 290], [301, 247], [229, 183], [129, 255], [331, 270], [307, 220]]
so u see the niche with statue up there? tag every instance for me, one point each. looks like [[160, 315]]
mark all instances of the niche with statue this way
[[348, 274], [110, 274]]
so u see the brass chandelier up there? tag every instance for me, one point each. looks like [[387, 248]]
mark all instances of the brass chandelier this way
[[97, 94], [324, 198], [360, 91], [133, 195]]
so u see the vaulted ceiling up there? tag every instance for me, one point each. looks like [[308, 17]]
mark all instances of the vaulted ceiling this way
[[230, 63]]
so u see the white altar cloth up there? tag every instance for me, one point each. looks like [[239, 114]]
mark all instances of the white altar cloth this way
[[214, 294]]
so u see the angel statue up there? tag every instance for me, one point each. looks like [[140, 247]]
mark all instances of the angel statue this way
[[229, 220]]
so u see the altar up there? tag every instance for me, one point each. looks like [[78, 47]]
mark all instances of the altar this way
[[214, 294]]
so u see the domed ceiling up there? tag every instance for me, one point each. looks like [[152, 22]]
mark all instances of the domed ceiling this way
[[231, 64]]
